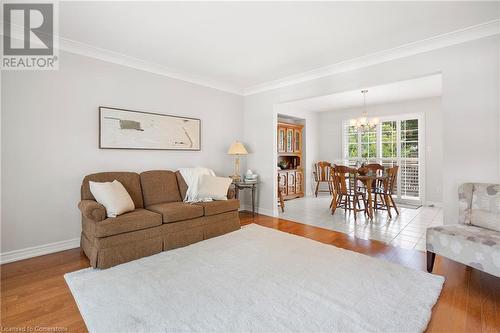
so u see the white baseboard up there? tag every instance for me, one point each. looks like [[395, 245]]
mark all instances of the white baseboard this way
[[259, 210], [438, 204], [40, 250]]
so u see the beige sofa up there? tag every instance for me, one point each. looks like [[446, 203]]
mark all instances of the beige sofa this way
[[160, 221]]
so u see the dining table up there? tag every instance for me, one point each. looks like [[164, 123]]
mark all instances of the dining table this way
[[368, 178]]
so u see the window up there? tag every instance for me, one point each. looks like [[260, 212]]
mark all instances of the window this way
[[369, 143], [409, 138], [388, 139], [394, 141], [352, 141]]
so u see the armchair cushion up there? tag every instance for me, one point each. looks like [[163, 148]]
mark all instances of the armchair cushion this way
[[485, 206], [92, 210], [473, 246]]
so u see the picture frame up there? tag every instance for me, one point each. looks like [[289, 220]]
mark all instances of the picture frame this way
[[131, 129]]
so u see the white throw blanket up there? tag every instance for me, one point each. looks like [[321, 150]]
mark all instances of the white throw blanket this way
[[191, 177]]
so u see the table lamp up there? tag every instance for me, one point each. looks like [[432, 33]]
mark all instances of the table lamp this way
[[237, 149]]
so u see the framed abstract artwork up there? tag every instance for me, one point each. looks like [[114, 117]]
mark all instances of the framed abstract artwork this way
[[128, 129]]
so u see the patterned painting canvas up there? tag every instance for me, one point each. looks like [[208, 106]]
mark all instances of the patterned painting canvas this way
[[127, 129]]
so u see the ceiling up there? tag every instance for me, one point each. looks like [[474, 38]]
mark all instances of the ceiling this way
[[245, 44], [424, 87]]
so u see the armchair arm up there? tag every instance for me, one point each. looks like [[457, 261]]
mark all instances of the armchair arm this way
[[92, 210], [465, 203]]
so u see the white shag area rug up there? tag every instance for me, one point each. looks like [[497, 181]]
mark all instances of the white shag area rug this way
[[256, 279]]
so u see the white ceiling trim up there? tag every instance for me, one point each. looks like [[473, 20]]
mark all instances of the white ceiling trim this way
[[87, 50], [124, 60], [456, 37], [452, 38]]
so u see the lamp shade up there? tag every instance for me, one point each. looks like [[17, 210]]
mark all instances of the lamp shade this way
[[237, 148]]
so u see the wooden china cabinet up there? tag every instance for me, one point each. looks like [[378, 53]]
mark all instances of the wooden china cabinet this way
[[290, 171]]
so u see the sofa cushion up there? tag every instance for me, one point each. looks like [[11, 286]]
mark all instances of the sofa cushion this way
[[470, 245], [485, 206], [131, 221], [159, 186], [130, 180], [218, 207], [177, 211]]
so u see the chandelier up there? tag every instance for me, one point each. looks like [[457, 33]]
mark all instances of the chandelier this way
[[364, 123]]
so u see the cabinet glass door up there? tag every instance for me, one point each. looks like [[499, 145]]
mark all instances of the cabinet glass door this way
[[297, 141], [281, 140], [291, 182], [298, 182]]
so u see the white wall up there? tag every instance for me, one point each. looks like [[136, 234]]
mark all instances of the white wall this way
[[330, 136], [50, 139], [470, 106]]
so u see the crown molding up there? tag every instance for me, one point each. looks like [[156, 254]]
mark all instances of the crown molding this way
[[128, 61], [452, 38], [90, 51], [482, 30]]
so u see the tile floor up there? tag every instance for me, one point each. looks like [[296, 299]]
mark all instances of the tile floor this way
[[406, 230]]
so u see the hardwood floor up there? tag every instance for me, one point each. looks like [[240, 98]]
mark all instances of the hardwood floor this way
[[34, 293]]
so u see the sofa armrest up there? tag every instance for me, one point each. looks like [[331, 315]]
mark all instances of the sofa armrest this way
[[231, 193], [92, 210]]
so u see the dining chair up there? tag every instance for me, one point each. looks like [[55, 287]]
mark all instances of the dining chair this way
[[321, 174], [386, 191], [281, 202], [345, 190], [374, 168]]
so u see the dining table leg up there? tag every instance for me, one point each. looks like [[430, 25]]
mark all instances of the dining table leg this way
[[333, 204]]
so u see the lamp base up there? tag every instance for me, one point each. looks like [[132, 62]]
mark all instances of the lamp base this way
[[236, 178]]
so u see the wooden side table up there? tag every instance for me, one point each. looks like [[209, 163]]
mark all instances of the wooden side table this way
[[243, 185]]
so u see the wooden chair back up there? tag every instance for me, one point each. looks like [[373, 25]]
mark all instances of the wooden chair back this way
[[344, 179], [322, 171], [390, 181], [373, 167]]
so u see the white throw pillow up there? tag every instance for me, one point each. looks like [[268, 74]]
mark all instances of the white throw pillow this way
[[213, 187], [192, 178], [113, 196]]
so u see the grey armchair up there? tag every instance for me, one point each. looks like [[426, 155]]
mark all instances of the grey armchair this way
[[475, 240]]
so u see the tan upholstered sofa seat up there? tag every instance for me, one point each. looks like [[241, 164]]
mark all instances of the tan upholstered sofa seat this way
[[218, 207], [131, 221], [177, 211]]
